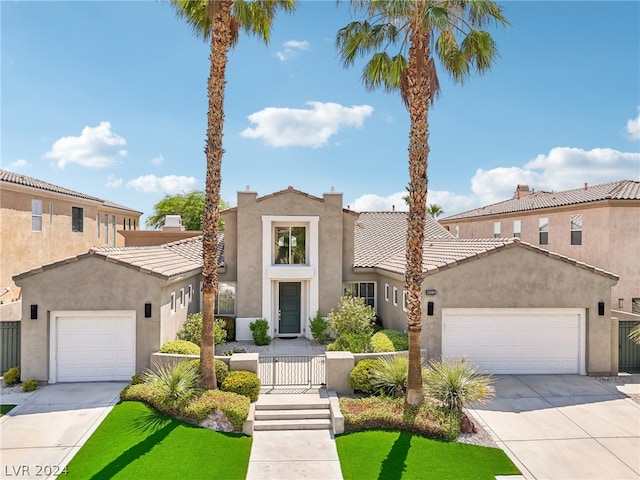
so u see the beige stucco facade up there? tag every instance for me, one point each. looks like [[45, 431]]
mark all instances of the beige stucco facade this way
[[24, 248], [610, 233]]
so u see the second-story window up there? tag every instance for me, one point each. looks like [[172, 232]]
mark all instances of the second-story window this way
[[576, 229], [77, 219], [517, 228], [496, 229], [36, 215], [290, 245], [543, 231]]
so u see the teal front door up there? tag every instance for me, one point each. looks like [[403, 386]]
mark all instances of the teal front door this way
[[289, 302]]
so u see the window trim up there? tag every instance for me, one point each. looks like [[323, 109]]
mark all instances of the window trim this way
[[182, 301], [395, 296], [373, 297], [75, 210], [50, 213], [573, 220], [405, 300], [543, 223], [216, 301], [172, 302], [290, 226], [35, 214], [496, 229], [190, 293], [517, 228], [386, 292]]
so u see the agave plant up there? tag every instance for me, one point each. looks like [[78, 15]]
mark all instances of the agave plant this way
[[455, 383], [174, 382], [390, 375]]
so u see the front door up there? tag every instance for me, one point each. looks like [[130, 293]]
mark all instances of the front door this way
[[289, 302]]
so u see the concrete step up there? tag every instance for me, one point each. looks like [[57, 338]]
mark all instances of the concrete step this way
[[294, 414], [307, 424], [291, 402]]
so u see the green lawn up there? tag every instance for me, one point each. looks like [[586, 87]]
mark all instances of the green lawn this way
[[5, 408], [135, 442], [395, 455]]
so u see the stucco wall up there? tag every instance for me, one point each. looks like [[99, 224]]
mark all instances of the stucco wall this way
[[172, 321], [88, 284]]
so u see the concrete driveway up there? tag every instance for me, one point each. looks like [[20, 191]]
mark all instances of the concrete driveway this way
[[564, 427], [39, 437]]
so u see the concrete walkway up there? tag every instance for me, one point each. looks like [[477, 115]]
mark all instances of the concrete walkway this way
[[46, 429], [564, 427]]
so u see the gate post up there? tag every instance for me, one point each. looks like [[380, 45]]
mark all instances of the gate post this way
[[337, 370], [244, 361]]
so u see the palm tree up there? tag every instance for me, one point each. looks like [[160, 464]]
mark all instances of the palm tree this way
[[220, 22], [435, 210], [454, 29]]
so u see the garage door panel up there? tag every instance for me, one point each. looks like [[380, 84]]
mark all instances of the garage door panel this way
[[514, 341], [95, 346]]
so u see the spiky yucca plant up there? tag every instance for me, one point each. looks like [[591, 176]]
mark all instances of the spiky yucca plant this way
[[455, 383], [389, 376], [174, 382]]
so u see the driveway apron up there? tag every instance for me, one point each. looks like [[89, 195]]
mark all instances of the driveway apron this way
[[564, 427], [39, 437]]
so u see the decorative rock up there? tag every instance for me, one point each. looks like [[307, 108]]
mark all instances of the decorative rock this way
[[217, 421]]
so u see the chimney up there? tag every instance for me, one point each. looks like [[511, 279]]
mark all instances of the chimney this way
[[586, 185], [522, 191], [173, 223]]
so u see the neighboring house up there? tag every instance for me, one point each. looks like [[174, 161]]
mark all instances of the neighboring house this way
[[41, 223], [595, 224], [509, 306]]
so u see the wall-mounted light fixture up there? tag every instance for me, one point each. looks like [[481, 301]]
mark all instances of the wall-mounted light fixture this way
[[430, 291], [621, 303], [430, 309], [147, 310], [601, 308], [34, 312]]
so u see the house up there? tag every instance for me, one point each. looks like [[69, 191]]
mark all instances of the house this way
[[41, 223], [595, 224], [509, 306]]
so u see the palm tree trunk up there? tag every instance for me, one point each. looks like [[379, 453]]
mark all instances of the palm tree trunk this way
[[417, 94], [220, 44]]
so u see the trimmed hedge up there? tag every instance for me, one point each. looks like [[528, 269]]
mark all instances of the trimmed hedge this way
[[389, 341], [360, 376], [12, 376], [222, 370], [242, 382], [182, 347]]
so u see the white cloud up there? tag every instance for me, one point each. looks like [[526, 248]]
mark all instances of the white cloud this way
[[633, 128], [157, 160], [450, 202], [19, 164], [312, 127], [292, 48], [96, 147], [169, 185], [113, 182], [497, 184]]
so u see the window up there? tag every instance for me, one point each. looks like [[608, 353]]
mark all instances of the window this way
[[36, 215], [517, 228], [576, 229], [190, 293], [496, 229], [50, 213], [621, 303], [635, 305], [543, 231], [225, 299], [98, 224], [106, 228], [113, 226], [182, 298], [77, 219], [386, 292], [395, 297], [134, 224], [405, 301], [366, 290], [129, 224], [290, 245], [172, 302], [457, 231]]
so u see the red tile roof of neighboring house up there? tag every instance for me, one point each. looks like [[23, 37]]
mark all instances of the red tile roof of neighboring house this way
[[18, 179], [623, 190]]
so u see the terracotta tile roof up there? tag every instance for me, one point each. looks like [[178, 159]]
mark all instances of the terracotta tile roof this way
[[623, 190], [378, 235], [18, 179], [442, 254]]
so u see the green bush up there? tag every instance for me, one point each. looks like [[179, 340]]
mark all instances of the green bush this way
[[352, 316], [12, 376], [243, 383], [319, 327], [175, 383], [389, 341], [360, 376], [137, 379], [390, 375], [192, 330], [230, 327], [351, 342], [234, 406], [221, 370], [231, 351], [259, 329], [183, 347], [29, 385]]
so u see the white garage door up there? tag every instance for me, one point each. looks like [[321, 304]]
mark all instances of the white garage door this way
[[514, 341], [93, 346]]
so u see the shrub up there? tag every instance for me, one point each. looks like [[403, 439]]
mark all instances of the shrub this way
[[351, 342], [29, 385], [231, 351], [454, 383], [192, 330], [259, 329], [390, 375], [389, 341], [230, 327], [183, 347], [222, 370], [360, 376], [319, 327], [352, 316], [12, 376], [243, 383], [174, 383], [234, 406], [137, 379]]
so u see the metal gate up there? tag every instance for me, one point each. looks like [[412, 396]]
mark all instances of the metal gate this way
[[629, 353], [9, 345], [290, 370]]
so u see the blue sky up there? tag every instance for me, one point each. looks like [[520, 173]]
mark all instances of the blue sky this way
[[109, 98]]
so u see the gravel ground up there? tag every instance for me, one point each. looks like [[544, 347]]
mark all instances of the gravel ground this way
[[622, 380]]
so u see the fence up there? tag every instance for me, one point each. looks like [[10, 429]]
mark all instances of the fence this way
[[288, 370], [9, 345]]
